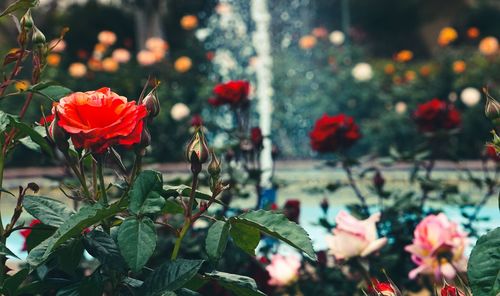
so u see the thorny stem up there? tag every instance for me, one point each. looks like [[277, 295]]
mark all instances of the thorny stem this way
[[188, 217], [100, 175]]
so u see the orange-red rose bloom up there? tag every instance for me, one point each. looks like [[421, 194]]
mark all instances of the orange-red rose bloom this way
[[234, 92], [96, 120], [331, 133]]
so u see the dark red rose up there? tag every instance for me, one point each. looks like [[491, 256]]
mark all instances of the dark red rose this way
[[448, 290], [436, 115], [196, 120], [331, 133], [491, 153], [292, 210], [232, 93], [47, 119], [256, 137], [96, 120], [378, 181], [382, 289], [26, 232]]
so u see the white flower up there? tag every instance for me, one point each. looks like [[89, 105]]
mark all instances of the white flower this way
[[337, 37], [283, 270], [400, 107], [362, 72], [470, 96], [179, 111]]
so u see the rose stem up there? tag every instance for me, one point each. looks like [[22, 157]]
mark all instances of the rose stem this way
[[104, 196], [187, 219], [355, 188]]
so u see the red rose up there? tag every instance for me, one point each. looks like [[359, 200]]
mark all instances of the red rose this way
[[196, 120], [233, 93], [26, 232], [256, 137], [491, 153], [96, 120], [292, 210], [382, 289], [436, 115], [333, 132], [448, 290]]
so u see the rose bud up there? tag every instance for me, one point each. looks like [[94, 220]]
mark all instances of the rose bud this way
[[27, 20], [38, 38], [152, 104], [378, 181], [197, 151], [448, 290], [214, 167], [324, 205], [292, 210], [383, 289], [275, 151], [492, 107], [256, 137], [58, 135], [229, 155]]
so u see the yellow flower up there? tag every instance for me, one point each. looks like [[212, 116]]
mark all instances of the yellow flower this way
[[447, 36], [488, 46], [146, 58], [183, 64], [189, 22], [110, 65], [22, 85], [53, 59], [404, 56], [77, 70], [94, 64], [307, 42], [459, 66], [107, 38]]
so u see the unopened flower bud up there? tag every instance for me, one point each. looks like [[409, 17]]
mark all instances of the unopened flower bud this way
[[58, 135], [324, 205], [38, 38], [197, 151], [152, 104], [378, 181], [214, 167], [33, 186], [145, 141], [27, 20], [492, 107]]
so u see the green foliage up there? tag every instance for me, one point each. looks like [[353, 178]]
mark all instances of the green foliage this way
[[137, 241], [171, 276], [239, 285], [483, 268], [102, 247], [216, 239], [278, 226], [145, 195], [19, 5], [246, 237], [49, 211]]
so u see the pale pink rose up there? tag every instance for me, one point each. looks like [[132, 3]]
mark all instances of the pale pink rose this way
[[435, 239], [57, 45], [121, 55], [106, 37], [352, 237], [146, 58], [283, 270]]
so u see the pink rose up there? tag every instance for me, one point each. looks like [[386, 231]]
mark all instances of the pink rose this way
[[283, 270], [437, 241], [353, 237]]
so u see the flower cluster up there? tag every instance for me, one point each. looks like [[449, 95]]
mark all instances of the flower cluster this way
[[436, 115]]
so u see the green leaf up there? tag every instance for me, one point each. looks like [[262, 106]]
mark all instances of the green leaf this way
[[4, 121], [172, 207], [483, 269], [38, 234], [144, 195], [184, 190], [137, 241], [89, 286], [86, 217], [69, 255], [49, 91], [171, 276], [49, 211], [102, 247], [278, 226], [5, 251], [12, 283], [238, 284], [27, 131], [37, 255], [19, 5], [216, 239], [246, 237]]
